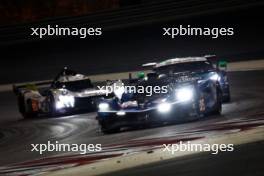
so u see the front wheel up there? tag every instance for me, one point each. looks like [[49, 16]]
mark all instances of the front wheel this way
[[218, 104], [108, 128]]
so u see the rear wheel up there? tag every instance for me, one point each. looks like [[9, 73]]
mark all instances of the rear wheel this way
[[21, 104], [29, 113], [227, 98], [51, 104]]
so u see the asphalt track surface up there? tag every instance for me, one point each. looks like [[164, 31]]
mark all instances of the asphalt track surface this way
[[16, 134], [246, 160]]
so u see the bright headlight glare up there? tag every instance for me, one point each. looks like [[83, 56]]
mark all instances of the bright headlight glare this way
[[184, 94], [65, 101], [59, 105], [164, 107], [103, 106], [215, 77], [121, 113]]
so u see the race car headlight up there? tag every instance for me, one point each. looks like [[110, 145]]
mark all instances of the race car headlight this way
[[103, 106], [121, 113], [184, 94], [214, 77], [164, 107], [65, 101]]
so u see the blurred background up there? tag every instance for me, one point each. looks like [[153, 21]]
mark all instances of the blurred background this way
[[132, 34]]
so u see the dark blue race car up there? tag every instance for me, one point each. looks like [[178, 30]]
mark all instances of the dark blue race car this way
[[194, 89]]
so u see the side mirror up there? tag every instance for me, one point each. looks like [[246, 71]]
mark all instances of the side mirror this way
[[222, 65], [140, 75]]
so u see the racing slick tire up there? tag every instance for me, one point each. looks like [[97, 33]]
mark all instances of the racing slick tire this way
[[51, 104], [22, 107], [218, 105], [227, 98], [21, 104], [29, 113], [107, 128]]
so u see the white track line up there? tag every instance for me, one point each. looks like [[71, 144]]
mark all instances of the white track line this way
[[142, 158]]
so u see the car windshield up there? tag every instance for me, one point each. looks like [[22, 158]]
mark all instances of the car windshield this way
[[75, 85], [183, 67]]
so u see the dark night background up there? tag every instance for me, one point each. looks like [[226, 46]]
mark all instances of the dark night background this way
[[17, 11], [125, 44]]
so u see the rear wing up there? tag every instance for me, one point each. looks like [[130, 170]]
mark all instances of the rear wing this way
[[151, 64], [210, 57], [219, 63], [29, 86]]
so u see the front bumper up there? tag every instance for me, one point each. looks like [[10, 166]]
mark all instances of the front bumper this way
[[80, 104], [178, 112]]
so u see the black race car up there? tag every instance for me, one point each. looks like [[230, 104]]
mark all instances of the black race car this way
[[193, 90]]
